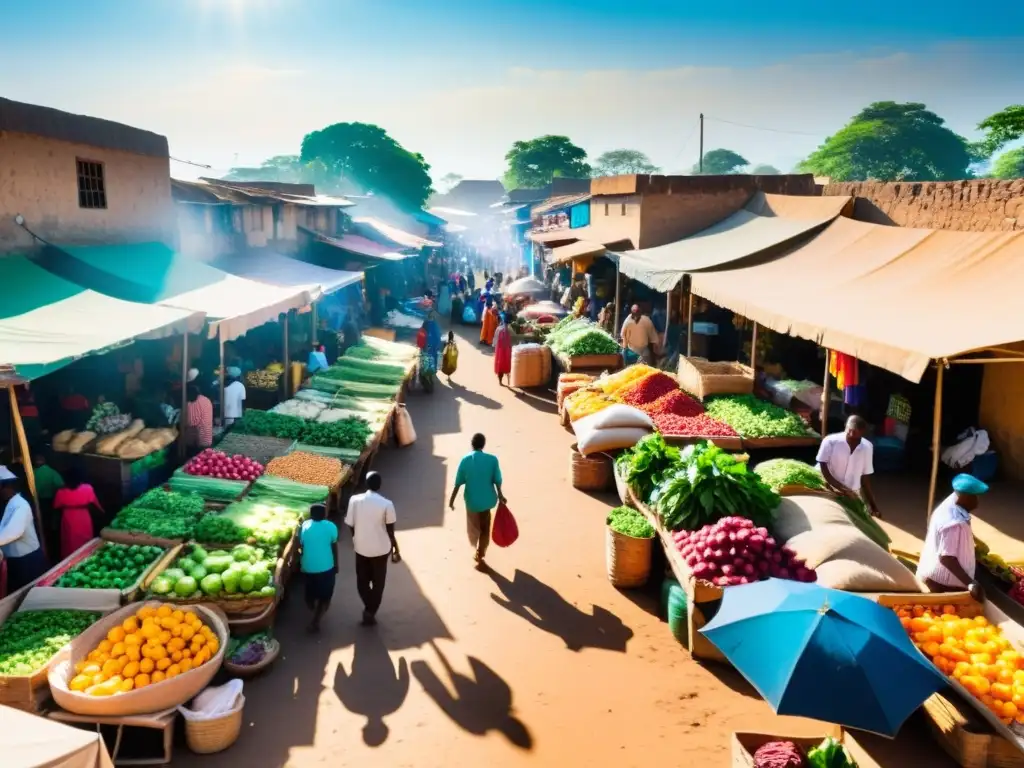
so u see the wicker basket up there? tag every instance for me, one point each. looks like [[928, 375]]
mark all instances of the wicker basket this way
[[251, 670], [591, 473], [702, 379], [531, 366], [204, 737], [628, 559]]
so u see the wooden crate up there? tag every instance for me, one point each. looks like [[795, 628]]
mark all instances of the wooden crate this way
[[744, 745], [590, 362], [966, 737], [702, 378]]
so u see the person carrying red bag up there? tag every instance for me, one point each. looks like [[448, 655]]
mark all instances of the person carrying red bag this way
[[480, 474]]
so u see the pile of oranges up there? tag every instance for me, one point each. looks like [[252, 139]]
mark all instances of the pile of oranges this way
[[969, 649], [154, 645]]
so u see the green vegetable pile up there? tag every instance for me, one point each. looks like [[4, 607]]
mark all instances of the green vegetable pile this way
[[371, 348], [344, 455], [368, 371], [270, 489], [778, 473], [208, 488], [262, 524], [754, 418], [630, 522], [578, 336], [161, 514], [354, 388], [830, 754], [241, 572], [644, 465], [29, 639], [269, 424], [710, 484], [351, 433], [861, 517], [112, 566]]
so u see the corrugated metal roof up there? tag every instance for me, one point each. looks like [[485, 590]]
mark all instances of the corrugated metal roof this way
[[556, 203], [360, 246], [393, 234]]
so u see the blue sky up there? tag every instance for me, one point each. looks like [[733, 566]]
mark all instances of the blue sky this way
[[232, 81]]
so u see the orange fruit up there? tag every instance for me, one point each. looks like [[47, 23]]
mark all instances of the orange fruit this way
[[158, 677], [147, 665], [141, 680]]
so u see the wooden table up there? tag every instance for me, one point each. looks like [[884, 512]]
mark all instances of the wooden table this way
[[158, 721]]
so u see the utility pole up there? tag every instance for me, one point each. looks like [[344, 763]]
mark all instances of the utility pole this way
[[700, 162]]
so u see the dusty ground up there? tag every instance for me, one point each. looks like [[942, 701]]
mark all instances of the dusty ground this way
[[540, 663]]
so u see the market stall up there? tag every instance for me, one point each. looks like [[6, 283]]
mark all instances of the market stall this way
[[34, 742]]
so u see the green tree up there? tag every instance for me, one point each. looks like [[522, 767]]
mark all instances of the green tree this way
[[765, 170], [721, 162], [621, 162], [365, 156], [887, 141], [1009, 165], [536, 162], [1001, 128]]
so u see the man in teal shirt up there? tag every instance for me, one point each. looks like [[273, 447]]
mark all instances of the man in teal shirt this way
[[480, 474], [318, 539]]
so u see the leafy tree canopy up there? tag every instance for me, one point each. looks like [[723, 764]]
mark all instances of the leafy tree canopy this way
[[1009, 165], [1002, 128], [721, 162], [621, 162], [765, 170], [536, 162], [366, 156], [887, 141]]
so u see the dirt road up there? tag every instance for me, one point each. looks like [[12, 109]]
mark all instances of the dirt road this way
[[540, 663]]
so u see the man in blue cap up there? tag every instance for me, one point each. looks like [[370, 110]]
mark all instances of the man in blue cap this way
[[947, 560]]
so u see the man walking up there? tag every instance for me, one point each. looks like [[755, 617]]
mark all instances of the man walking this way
[[639, 335], [371, 519], [318, 538], [480, 473]]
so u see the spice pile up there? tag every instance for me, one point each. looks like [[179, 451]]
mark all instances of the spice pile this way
[[648, 389], [308, 468]]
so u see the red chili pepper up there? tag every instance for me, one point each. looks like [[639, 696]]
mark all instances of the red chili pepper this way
[[677, 402], [648, 389], [701, 425]]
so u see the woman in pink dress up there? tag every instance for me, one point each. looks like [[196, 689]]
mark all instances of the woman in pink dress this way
[[76, 503], [502, 350]]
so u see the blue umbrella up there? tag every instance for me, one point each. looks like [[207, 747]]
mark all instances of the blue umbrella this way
[[825, 654]]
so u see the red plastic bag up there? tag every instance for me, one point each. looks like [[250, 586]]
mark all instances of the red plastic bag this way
[[505, 531]]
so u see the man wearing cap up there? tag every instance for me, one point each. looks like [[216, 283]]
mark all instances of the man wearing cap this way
[[234, 396], [18, 538], [639, 335], [947, 560]]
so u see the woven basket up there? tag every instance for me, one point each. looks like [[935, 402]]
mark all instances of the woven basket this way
[[531, 366], [204, 737], [628, 559], [591, 473], [251, 670], [702, 379]]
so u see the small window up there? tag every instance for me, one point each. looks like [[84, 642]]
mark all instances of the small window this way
[[606, 209], [92, 192], [623, 209]]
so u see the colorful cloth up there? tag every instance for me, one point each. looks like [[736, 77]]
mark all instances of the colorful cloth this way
[[845, 368], [489, 326], [200, 422], [503, 351], [76, 528], [449, 358], [48, 482]]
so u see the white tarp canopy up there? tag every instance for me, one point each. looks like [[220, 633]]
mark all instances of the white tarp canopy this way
[[277, 269]]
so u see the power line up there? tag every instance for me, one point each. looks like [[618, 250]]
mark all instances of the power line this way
[[759, 127], [683, 147], [189, 162]]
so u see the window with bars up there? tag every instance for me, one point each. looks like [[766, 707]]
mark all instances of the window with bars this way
[[92, 192]]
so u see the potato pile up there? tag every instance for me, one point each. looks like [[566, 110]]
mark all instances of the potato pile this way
[[154, 645], [308, 468]]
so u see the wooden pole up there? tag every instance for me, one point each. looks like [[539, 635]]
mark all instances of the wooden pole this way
[[689, 324], [618, 302], [220, 346], [26, 461], [287, 362], [315, 321], [826, 395], [668, 318], [753, 352], [936, 437], [183, 418]]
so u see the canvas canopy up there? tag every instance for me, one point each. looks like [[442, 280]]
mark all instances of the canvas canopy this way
[[576, 250], [47, 322], [31, 741], [892, 296], [280, 270], [765, 222], [151, 273]]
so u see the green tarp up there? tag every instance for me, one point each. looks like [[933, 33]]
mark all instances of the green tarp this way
[[47, 322], [152, 273]]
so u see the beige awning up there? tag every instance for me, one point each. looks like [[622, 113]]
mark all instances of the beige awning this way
[[892, 296], [31, 741], [580, 248], [765, 222]]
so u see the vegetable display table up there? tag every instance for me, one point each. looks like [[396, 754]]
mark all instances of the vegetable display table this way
[[590, 363], [769, 443], [725, 443], [117, 732]]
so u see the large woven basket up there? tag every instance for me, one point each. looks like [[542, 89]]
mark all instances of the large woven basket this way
[[531, 366], [204, 737], [591, 473], [628, 559], [702, 378]]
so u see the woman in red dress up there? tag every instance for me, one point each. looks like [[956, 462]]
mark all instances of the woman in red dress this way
[[502, 350], [76, 503]]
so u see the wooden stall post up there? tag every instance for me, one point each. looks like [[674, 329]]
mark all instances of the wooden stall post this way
[[26, 461], [936, 437], [668, 318], [220, 346], [183, 418], [689, 324], [618, 301], [287, 363], [826, 395], [314, 319], [753, 352]]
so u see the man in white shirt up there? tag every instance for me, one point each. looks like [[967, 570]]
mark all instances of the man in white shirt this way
[[371, 519], [846, 461], [639, 335], [234, 396], [19, 540]]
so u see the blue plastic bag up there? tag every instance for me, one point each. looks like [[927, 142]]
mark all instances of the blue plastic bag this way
[[469, 315]]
